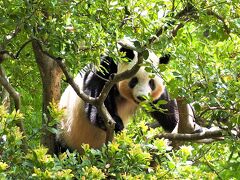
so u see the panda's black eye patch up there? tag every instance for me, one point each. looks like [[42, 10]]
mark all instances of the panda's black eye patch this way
[[133, 82], [152, 84]]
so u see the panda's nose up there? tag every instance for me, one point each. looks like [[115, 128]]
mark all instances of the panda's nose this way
[[141, 98]]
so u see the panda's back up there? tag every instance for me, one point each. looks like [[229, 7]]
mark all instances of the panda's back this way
[[75, 127]]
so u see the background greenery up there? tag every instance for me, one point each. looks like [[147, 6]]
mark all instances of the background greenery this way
[[204, 69]]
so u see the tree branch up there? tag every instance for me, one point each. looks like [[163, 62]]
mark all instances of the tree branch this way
[[13, 93], [16, 98], [69, 80], [7, 39], [216, 108], [192, 137], [119, 77], [4, 53], [188, 10], [212, 13]]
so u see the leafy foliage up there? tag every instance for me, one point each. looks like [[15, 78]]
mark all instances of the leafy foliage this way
[[133, 154], [204, 69]]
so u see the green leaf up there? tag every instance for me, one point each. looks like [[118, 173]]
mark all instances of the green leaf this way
[[52, 130], [145, 54], [171, 165], [137, 44]]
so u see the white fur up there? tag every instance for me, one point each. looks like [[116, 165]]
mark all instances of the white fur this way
[[76, 127], [143, 88], [125, 109]]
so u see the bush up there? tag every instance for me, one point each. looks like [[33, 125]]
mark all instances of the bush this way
[[134, 154]]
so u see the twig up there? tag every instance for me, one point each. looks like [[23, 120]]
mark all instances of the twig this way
[[216, 108], [179, 26], [119, 77], [212, 13], [22, 47], [210, 167], [188, 10], [5, 53], [10, 36], [7, 39]]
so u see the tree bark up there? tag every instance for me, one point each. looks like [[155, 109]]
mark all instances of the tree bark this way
[[17, 103], [9, 88], [186, 117], [208, 134], [51, 83]]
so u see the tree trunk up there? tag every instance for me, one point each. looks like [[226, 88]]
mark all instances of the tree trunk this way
[[186, 117], [51, 83]]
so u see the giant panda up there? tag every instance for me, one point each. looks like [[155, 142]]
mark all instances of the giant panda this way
[[82, 122]]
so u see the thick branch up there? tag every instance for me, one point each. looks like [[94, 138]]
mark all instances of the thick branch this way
[[16, 98], [69, 80], [186, 117], [192, 137], [13, 93]]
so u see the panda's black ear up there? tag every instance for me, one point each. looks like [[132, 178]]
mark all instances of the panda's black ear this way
[[129, 52], [164, 59]]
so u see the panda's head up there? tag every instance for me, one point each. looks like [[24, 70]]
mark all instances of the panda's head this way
[[143, 84]]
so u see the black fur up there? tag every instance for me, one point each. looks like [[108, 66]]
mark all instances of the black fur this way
[[129, 53], [164, 59], [167, 119], [93, 85]]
